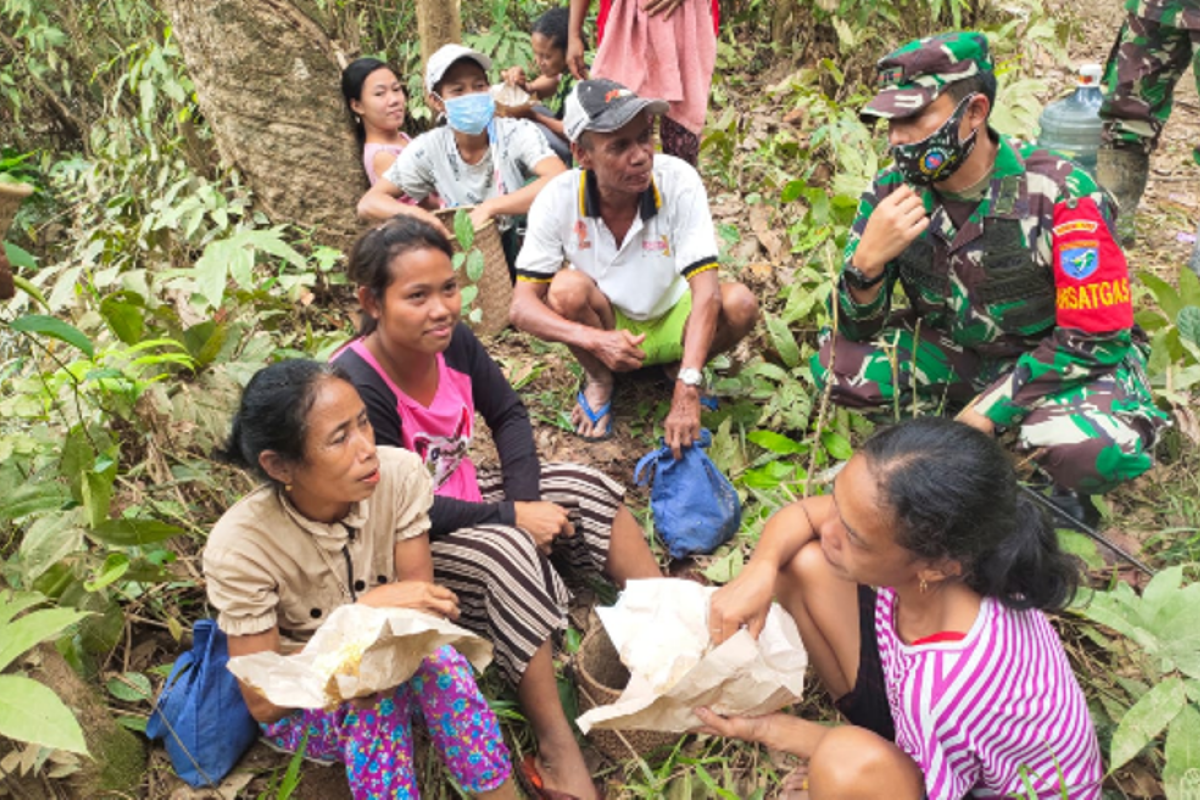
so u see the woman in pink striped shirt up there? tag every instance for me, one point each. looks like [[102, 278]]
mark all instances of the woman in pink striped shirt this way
[[953, 680]]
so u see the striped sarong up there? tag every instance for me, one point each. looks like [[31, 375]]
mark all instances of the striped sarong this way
[[508, 591]]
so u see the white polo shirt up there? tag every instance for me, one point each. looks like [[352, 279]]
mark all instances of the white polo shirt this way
[[671, 239]]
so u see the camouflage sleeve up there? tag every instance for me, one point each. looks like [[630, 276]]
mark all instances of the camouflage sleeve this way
[[860, 321], [1094, 314]]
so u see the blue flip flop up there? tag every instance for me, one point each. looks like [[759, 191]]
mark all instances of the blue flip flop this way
[[595, 417]]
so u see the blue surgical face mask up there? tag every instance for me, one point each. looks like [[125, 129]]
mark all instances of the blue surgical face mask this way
[[470, 113]]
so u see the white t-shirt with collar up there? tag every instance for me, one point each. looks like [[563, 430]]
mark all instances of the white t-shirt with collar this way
[[432, 164], [671, 239]]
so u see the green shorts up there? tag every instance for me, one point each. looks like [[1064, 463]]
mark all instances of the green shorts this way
[[664, 335]]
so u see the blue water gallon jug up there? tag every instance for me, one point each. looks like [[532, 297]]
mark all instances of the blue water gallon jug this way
[[1071, 126]]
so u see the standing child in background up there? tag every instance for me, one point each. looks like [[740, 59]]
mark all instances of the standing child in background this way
[[554, 81]]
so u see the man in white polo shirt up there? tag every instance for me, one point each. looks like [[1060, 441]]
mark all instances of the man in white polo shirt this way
[[642, 285]]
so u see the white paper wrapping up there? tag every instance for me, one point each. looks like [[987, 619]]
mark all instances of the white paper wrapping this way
[[392, 641], [660, 629]]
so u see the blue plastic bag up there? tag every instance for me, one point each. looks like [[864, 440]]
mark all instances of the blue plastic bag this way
[[696, 508], [201, 714]]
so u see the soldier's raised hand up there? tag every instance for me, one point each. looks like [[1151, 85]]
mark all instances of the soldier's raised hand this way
[[895, 223]]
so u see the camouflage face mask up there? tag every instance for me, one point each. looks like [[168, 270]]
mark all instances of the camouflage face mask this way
[[940, 154]]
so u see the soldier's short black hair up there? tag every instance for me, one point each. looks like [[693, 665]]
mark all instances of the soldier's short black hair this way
[[983, 83]]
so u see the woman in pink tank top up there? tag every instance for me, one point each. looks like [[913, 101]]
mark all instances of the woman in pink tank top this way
[[376, 98]]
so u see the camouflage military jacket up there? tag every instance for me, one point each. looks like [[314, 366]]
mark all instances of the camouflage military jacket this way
[[1033, 282], [1183, 14]]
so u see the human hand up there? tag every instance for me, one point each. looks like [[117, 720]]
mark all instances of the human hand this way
[[620, 351], [969, 416], [682, 426], [575, 61], [365, 702], [432, 219], [665, 7], [742, 603], [514, 76], [894, 224], [748, 729], [544, 522], [481, 214], [418, 595]]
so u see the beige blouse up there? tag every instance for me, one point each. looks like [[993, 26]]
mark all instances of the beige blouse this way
[[266, 565]]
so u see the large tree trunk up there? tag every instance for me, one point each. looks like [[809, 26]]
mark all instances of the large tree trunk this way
[[438, 23], [267, 78]]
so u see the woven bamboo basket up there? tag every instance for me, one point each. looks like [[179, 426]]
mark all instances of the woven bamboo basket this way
[[495, 286], [11, 195], [601, 677]]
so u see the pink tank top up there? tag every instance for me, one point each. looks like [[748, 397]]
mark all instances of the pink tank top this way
[[369, 151]]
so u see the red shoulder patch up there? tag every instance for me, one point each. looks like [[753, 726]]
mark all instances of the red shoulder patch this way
[[1090, 272]]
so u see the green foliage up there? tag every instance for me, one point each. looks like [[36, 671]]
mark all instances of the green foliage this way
[[1173, 323], [30, 712], [1164, 624]]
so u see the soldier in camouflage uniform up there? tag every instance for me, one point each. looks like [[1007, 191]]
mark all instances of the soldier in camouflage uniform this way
[[1152, 51], [1020, 303]]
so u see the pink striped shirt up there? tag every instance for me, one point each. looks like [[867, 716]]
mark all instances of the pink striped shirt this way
[[972, 713]]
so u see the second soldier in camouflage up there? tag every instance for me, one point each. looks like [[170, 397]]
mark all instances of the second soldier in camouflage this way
[[1019, 296]]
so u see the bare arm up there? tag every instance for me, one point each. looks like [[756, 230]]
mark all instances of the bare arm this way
[[747, 598], [380, 203], [262, 709], [553, 124], [777, 731], [575, 60], [414, 586], [682, 425], [618, 350], [518, 202]]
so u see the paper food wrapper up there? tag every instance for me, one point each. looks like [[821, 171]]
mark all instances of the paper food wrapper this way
[[660, 629], [356, 652]]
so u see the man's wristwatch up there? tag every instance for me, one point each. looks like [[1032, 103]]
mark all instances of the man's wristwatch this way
[[689, 376], [857, 279]]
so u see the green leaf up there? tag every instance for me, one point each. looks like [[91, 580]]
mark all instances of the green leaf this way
[[56, 329], [32, 497], [132, 687], [837, 445], [133, 532], [125, 319], [1189, 287], [31, 290], [727, 567], [1181, 775], [1168, 299], [49, 540], [464, 231], [571, 641], [777, 443], [30, 712], [19, 256], [1076, 544], [36, 626], [792, 191], [114, 566], [783, 341], [1142, 723], [1188, 322], [475, 265], [13, 603]]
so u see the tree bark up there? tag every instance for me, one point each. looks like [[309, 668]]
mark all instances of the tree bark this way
[[438, 23], [268, 81]]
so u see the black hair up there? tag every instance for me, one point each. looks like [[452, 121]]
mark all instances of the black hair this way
[[273, 413], [983, 83], [353, 78], [954, 495], [554, 25], [372, 255]]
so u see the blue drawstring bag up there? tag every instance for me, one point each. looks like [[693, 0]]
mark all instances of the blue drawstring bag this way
[[696, 508], [201, 714]]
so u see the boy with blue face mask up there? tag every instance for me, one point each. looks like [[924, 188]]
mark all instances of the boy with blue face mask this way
[[476, 159], [1019, 302]]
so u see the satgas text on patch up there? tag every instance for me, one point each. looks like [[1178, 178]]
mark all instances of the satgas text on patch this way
[[1080, 261], [1086, 225]]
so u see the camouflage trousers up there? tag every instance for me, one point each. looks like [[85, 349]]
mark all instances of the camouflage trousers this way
[[1087, 438], [1143, 67]]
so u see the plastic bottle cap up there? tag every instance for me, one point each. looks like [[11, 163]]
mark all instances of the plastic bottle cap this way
[[1089, 74]]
